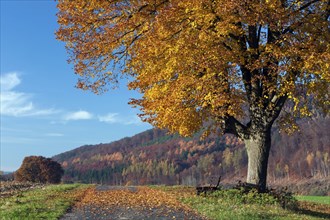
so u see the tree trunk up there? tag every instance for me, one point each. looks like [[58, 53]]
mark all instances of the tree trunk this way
[[258, 146]]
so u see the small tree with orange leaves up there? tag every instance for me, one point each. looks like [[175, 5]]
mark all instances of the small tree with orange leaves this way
[[39, 169]]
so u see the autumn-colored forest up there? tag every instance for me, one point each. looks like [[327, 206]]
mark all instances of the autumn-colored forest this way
[[155, 157]]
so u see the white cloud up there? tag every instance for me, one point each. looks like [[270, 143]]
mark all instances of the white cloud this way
[[17, 103], [54, 135], [14, 103], [9, 81], [115, 118], [135, 120], [78, 115], [110, 118]]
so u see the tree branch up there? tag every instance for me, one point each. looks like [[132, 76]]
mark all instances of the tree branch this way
[[233, 126], [307, 5], [259, 34], [279, 103], [327, 14], [300, 9], [247, 81]]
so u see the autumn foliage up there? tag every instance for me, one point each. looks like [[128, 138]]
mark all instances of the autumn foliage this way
[[39, 169], [215, 65], [154, 157], [137, 203]]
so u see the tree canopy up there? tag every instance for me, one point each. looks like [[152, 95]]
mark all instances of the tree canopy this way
[[196, 60], [220, 64]]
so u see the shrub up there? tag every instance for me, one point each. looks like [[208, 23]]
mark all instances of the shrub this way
[[250, 195], [284, 197], [39, 169], [240, 197]]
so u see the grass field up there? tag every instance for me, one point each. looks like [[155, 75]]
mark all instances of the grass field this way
[[52, 201], [316, 199], [49, 202], [231, 204]]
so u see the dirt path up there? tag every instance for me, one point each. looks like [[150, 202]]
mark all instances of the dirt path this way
[[138, 203]]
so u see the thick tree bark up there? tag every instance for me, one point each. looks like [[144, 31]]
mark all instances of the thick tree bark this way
[[257, 138], [258, 145]]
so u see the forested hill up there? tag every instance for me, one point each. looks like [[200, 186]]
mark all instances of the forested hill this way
[[154, 157]]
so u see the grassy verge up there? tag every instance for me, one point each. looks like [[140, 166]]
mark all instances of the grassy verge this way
[[232, 204], [316, 199], [49, 202]]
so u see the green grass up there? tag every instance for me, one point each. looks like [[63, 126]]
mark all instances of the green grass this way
[[316, 199], [232, 204], [221, 209], [49, 202]]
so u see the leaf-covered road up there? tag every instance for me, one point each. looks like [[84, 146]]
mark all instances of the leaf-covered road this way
[[113, 202]]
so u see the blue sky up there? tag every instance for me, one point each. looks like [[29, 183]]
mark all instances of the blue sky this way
[[42, 113]]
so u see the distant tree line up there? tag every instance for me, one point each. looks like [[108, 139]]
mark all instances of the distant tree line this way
[[153, 157]]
